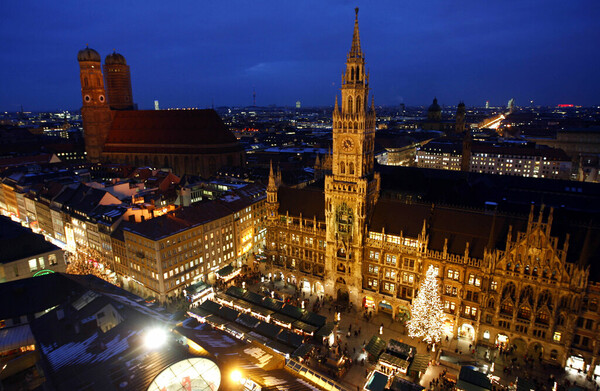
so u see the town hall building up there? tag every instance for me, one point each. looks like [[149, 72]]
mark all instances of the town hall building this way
[[505, 279]]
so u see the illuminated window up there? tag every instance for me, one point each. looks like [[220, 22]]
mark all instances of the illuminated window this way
[[557, 336], [32, 265]]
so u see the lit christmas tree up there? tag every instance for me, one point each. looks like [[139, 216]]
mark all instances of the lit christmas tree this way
[[427, 318]]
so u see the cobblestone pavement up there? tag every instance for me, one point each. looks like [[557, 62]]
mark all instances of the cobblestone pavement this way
[[356, 376]]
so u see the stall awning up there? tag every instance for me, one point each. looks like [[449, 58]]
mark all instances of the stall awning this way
[[196, 288], [303, 350], [200, 312], [471, 380], [235, 291], [290, 339], [420, 363], [216, 320], [267, 329], [375, 346], [224, 272], [292, 311], [247, 321], [307, 328], [271, 304], [228, 313], [401, 349], [394, 361], [314, 319], [325, 330], [282, 318], [210, 306], [253, 298], [14, 337]]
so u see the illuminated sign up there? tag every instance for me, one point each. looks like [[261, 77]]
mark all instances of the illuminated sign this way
[[43, 272]]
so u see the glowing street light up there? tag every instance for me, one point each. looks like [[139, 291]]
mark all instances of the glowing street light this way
[[236, 376], [155, 338], [243, 284], [381, 330]]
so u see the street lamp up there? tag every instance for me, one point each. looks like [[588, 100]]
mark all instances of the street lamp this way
[[381, 330], [155, 338], [236, 376]]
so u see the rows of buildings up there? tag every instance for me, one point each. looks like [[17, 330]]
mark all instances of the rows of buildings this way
[[500, 158], [508, 278], [136, 228]]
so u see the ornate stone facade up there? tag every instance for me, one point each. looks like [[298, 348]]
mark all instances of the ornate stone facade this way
[[510, 280]]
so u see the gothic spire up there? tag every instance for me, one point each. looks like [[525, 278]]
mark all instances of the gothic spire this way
[[271, 186], [355, 50]]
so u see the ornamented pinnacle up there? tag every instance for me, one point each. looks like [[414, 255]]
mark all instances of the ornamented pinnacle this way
[[271, 186], [355, 50]]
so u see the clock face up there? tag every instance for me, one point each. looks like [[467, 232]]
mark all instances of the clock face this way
[[348, 144]]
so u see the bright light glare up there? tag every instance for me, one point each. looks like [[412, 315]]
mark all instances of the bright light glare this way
[[155, 338], [236, 376]]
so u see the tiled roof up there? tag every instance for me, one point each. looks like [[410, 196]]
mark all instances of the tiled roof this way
[[309, 202], [17, 242], [173, 130], [178, 221]]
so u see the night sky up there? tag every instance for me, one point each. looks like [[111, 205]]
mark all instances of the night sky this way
[[200, 53]]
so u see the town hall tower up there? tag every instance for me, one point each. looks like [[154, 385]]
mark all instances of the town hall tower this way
[[352, 189]]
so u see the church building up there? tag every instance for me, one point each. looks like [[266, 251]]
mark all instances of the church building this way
[[194, 142]]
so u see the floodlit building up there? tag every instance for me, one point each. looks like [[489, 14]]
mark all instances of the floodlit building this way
[[520, 280], [187, 141]]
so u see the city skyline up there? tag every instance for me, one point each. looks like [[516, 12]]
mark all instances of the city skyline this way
[[292, 52]]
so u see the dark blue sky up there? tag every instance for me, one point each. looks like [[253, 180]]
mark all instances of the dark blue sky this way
[[193, 53]]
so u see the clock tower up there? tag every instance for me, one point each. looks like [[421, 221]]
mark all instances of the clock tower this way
[[353, 188]]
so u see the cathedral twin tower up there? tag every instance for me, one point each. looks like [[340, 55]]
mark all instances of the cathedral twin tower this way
[[96, 109]]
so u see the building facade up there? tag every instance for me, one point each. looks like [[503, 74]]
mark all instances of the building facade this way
[[508, 280], [501, 159]]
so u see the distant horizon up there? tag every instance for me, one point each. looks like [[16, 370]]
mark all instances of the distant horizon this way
[[424, 106], [492, 107]]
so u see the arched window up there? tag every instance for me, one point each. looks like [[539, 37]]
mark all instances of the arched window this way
[[349, 104], [491, 303], [561, 320], [351, 73], [342, 168], [351, 168], [358, 73], [358, 104]]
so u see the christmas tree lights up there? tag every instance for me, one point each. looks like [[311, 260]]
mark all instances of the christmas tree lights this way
[[427, 320]]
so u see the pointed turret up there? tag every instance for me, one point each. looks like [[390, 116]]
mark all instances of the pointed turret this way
[[271, 186], [355, 50]]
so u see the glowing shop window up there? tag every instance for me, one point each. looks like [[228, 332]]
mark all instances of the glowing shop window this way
[[486, 334]]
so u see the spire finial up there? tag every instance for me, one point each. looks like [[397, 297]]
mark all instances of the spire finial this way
[[355, 50], [272, 185]]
